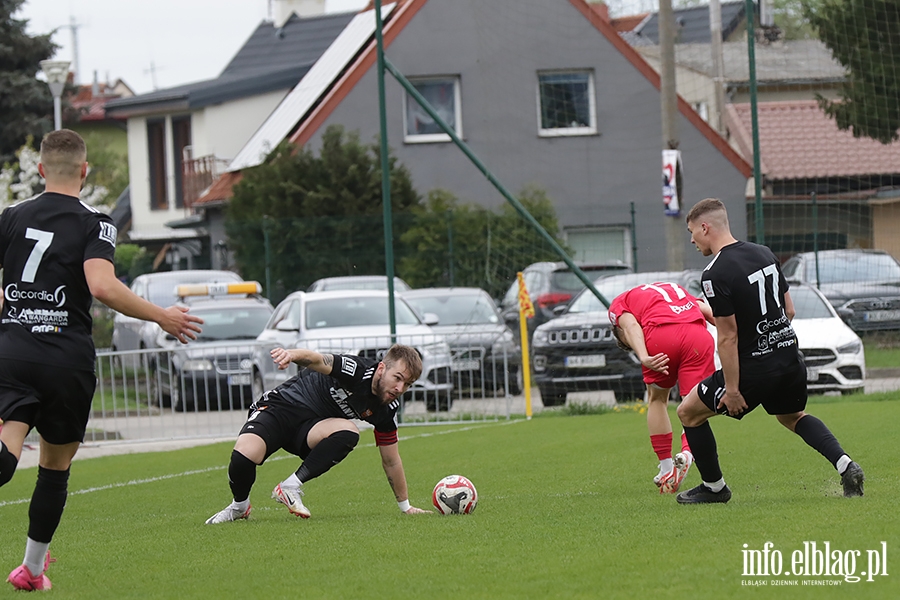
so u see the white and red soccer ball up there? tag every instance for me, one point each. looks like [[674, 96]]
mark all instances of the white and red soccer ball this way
[[454, 495]]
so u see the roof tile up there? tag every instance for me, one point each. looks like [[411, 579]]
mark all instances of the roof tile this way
[[797, 140]]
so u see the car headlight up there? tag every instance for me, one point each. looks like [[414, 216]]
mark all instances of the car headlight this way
[[540, 337], [851, 348], [201, 364]]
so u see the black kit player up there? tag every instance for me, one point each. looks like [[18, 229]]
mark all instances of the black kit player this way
[[761, 363], [56, 254], [309, 415]]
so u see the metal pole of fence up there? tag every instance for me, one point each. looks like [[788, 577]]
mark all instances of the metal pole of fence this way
[[450, 244], [754, 122], [815, 212], [385, 174], [265, 228], [634, 262]]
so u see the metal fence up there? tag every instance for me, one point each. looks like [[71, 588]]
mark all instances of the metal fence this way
[[189, 393]]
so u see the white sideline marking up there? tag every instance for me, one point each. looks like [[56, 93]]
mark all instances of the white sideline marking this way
[[219, 468]]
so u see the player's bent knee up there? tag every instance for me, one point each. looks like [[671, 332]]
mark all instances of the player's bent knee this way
[[8, 464], [347, 438], [252, 446]]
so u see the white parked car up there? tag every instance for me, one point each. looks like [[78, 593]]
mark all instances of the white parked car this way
[[835, 360], [356, 322]]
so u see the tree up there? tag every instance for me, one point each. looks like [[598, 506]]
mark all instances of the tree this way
[[862, 36], [25, 102], [478, 247], [315, 216], [790, 17]]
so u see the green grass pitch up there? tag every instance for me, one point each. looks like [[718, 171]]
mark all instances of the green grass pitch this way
[[567, 509]]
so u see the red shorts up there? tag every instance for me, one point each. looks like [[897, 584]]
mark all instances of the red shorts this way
[[691, 352]]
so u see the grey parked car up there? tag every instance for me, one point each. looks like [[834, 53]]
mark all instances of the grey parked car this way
[[485, 355], [862, 285]]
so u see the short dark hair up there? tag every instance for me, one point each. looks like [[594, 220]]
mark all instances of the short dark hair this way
[[410, 357], [620, 342], [707, 205], [62, 154]]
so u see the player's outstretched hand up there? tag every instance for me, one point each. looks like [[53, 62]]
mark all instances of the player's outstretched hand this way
[[657, 362], [412, 510], [177, 322], [282, 357]]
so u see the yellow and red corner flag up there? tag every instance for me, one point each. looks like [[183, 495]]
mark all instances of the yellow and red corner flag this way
[[525, 305], [526, 310]]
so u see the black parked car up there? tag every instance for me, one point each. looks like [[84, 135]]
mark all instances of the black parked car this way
[[862, 285], [577, 352]]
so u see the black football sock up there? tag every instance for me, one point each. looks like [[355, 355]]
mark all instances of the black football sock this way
[[241, 475], [706, 455], [8, 464], [327, 453], [815, 433], [47, 504]]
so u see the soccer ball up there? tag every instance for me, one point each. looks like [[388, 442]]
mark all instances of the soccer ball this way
[[453, 495]]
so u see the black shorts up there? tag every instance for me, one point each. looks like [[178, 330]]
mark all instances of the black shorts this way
[[281, 424], [782, 394], [54, 400]]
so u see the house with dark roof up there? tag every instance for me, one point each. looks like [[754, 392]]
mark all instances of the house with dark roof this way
[[498, 70], [691, 25], [181, 138], [803, 155]]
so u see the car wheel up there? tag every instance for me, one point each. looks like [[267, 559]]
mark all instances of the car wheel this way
[[438, 401], [552, 397]]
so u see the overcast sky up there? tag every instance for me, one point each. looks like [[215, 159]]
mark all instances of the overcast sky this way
[[185, 40]]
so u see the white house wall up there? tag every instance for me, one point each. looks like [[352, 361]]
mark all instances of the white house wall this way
[[223, 129]]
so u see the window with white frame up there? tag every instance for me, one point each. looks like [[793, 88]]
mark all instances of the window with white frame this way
[[442, 93], [566, 103], [600, 244]]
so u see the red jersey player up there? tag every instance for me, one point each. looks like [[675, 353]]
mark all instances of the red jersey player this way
[[666, 328]]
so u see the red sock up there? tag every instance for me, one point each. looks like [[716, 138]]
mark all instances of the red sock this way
[[684, 443], [662, 445]]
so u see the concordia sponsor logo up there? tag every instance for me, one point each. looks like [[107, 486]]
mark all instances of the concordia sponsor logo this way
[[819, 561], [765, 325], [13, 294]]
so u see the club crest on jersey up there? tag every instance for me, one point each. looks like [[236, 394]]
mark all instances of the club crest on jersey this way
[[348, 366], [708, 289], [108, 233]]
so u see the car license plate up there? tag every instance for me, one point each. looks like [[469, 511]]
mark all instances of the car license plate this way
[[882, 315], [239, 379], [471, 364], [812, 374], [588, 360]]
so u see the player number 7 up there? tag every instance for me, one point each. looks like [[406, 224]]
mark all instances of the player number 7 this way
[[43, 239], [759, 278]]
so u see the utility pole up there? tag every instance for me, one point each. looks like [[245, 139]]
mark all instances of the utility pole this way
[[718, 62], [669, 110]]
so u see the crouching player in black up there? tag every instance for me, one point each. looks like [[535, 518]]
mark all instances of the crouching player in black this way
[[309, 415]]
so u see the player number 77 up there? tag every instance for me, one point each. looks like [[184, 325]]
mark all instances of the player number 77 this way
[[675, 288], [759, 278], [43, 239]]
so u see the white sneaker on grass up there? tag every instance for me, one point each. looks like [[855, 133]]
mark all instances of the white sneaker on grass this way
[[292, 498], [229, 513]]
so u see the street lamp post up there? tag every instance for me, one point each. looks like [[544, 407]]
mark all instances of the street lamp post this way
[[57, 71]]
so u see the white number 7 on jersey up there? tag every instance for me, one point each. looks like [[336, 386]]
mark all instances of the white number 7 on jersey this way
[[43, 239], [759, 278]]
